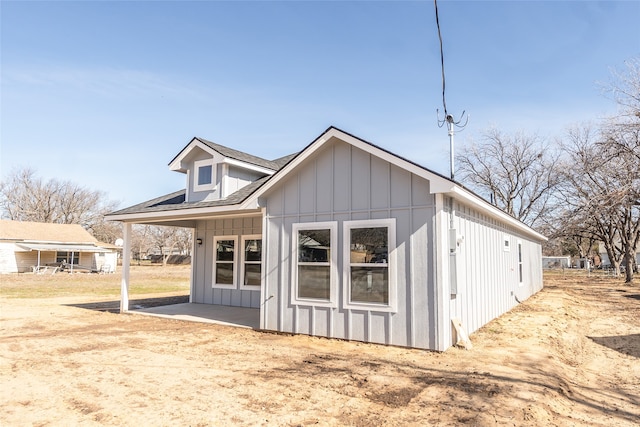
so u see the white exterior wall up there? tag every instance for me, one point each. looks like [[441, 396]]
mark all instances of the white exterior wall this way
[[203, 262], [8, 261], [488, 282], [343, 183], [105, 261]]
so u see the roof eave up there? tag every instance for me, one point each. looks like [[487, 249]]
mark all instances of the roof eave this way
[[185, 214], [459, 193]]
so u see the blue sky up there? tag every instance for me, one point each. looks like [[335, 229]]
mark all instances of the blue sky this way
[[105, 94]]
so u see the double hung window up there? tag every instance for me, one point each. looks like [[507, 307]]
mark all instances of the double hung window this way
[[251, 262], [370, 262], [314, 256], [224, 261]]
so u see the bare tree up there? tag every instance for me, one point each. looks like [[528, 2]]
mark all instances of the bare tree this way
[[624, 89], [141, 241], [601, 193], [517, 173], [26, 197], [167, 239]]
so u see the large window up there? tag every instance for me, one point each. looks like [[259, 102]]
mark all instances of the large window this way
[[370, 260], [204, 175], [251, 262], [315, 263], [224, 261]]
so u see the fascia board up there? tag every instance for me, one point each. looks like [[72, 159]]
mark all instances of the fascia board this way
[[490, 210], [185, 214], [438, 184], [249, 166], [176, 163]]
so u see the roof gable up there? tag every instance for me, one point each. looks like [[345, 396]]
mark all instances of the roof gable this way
[[437, 183], [44, 232], [230, 155]]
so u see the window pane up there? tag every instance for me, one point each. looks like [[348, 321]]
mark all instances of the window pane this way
[[252, 274], [204, 175], [370, 284], [369, 245], [224, 250], [224, 274], [67, 257], [314, 245], [253, 250], [314, 281]]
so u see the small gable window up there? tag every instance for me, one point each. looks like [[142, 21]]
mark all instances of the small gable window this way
[[204, 175]]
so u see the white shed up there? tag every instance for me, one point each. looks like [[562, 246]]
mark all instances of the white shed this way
[[346, 240]]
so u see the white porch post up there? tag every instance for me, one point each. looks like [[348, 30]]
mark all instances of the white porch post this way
[[126, 263]]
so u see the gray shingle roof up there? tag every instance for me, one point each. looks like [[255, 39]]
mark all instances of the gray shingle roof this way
[[240, 155], [176, 201]]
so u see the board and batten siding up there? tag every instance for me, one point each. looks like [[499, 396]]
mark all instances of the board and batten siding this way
[[487, 272], [343, 183], [235, 178], [202, 289]]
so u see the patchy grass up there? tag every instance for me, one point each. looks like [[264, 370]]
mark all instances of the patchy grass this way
[[593, 276], [143, 280]]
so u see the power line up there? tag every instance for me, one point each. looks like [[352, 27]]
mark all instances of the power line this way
[[444, 101], [448, 118]]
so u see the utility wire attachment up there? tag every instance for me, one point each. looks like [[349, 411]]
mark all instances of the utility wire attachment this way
[[452, 124]]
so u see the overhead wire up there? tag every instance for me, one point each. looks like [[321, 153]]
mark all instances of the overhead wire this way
[[444, 101]]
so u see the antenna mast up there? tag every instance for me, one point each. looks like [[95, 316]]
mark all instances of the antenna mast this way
[[452, 124]]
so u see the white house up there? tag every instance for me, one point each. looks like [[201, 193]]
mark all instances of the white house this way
[[344, 239], [30, 246], [604, 256]]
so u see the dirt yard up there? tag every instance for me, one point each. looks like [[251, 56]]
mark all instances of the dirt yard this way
[[568, 356]]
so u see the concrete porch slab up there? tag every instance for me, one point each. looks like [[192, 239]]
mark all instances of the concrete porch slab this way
[[206, 313]]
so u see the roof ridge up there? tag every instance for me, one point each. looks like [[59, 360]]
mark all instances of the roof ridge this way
[[239, 155]]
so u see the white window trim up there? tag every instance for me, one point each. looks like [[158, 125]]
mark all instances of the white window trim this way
[[234, 285], [333, 264], [520, 260], [243, 261], [196, 166], [507, 243], [390, 223]]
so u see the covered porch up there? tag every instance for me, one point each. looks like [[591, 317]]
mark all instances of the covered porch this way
[[234, 303]]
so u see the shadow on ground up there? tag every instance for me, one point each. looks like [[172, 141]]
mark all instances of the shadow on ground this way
[[135, 304], [625, 344]]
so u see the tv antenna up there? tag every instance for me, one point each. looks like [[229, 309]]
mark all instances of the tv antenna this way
[[452, 123]]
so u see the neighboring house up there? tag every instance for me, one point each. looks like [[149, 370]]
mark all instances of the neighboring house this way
[[604, 257], [556, 262], [344, 239], [29, 246]]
